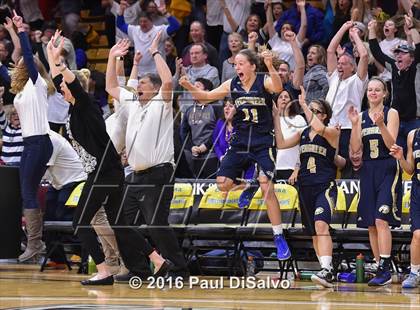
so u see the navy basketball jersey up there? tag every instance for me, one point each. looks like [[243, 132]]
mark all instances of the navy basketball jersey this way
[[373, 144], [416, 156], [253, 121], [316, 160]]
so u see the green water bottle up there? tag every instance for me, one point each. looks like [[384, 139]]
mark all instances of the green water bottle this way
[[360, 268], [91, 265]]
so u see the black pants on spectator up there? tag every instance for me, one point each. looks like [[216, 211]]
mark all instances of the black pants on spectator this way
[[148, 196], [107, 191]]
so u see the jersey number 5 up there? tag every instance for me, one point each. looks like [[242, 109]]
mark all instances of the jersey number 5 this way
[[374, 150], [250, 115], [311, 166]]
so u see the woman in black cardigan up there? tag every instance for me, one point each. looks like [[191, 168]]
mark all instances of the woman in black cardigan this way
[[104, 186]]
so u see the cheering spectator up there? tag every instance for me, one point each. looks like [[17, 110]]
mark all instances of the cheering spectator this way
[[11, 151], [287, 160], [198, 33], [235, 15], [144, 34], [314, 21], [131, 14], [403, 69], [347, 83], [278, 41], [290, 83], [198, 69], [150, 7], [315, 79], [197, 127], [235, 43]]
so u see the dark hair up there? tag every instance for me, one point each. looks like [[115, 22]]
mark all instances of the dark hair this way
[[326, 109], [208, 85], [154, 79], [251, 57], [145, 14], [203, 46], [293, 107], [79, 41]]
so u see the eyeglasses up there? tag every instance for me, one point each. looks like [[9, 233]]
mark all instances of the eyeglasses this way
[[315, 111]]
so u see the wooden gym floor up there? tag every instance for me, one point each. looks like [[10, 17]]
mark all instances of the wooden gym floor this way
[[24, 287]]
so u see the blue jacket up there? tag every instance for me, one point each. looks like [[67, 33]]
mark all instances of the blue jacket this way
[[315, 19]]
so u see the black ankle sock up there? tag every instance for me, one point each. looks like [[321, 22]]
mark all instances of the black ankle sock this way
[[384, 263]]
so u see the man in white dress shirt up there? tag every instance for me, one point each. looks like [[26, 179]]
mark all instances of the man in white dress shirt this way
[[149, 145]]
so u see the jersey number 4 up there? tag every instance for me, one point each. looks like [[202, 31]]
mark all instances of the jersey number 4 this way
[[250, 115], [311, 166]]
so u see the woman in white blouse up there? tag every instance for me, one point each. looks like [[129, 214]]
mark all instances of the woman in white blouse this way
[[287, 161]]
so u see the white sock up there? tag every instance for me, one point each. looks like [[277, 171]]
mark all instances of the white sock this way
[[384, 256], [326, 262], [415, 269], [277, 229]]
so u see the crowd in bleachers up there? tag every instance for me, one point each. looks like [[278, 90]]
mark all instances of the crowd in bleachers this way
[[325, 51]]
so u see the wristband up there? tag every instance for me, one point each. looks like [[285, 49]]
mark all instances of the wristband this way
[[119, 58], [154, 53], [58, 65]]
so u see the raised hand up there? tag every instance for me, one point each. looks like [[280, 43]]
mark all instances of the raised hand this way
[[340, 51], [353, 115], [302, 96], [408, 21], [8, 24], [372, 25], [123, 6], [268, 58], [397, 152], [154, 47], [378, 118], [120, 49], [289, 36], [252, 37], [56, 49], [300, 3], [137, 57], [17, 20], [347, 25], [275, 110], [179, 67]]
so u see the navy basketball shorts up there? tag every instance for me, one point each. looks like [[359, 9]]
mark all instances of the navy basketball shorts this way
[[415, 207], [237, 160], [316, 204], [380, 195]]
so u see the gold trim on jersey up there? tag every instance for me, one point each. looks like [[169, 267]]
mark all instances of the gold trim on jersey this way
[[270, 153], [312, 148], [371, 131], [249, 100], [394, 194], [329, 200]]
